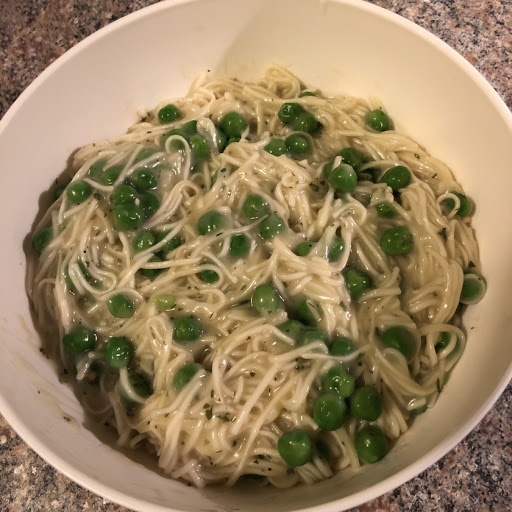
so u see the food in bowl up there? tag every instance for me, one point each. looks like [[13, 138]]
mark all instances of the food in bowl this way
[[258, 281]]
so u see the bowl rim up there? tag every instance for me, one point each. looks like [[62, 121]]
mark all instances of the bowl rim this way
[[387, 484]]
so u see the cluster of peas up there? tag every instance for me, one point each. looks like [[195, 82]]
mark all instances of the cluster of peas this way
[[118, 353], [300, 120], [134, 200], [330, 409], [133, 204], [397, 240], [231, 129]]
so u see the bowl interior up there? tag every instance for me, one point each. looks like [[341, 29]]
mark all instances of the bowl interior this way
[[347, 47]]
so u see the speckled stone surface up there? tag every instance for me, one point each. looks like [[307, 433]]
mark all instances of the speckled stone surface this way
[[477, 474]]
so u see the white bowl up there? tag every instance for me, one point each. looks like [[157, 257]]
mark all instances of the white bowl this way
[[340, 46]]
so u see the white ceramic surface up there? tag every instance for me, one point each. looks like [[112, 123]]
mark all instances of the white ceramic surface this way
[[340, 46]]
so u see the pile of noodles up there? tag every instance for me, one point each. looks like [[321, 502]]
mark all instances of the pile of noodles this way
[[257, 384]]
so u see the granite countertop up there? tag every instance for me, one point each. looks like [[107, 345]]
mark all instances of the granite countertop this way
[[476, 475]]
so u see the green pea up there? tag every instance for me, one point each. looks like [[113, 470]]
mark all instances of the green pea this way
[[209, 276], [366, 403], [473, 289], [210, 222], [164, 302], [397, 177], [396, 241], [338, 381], [465, 207], [143, 180], [187, 328], [371, 444], [352, 157], [149, 204], [118, 352], [308, 311], [190, 128], [305, 122], [444, 341], [400, 338], [335, 249], [308, 336], [266, 300], [306, 93], [199, 146], [292, 329], [343, 179], [120, 306], [124, 194], [171, 244], [419, 410], [271, 226], [42, 238], [139, 385], [289, 112], [385, 209], [303, 249], [169, 113], [231, 140], [79, 340], [295, 448], [151, 273], [185, 375], [329, 411], [221, 140], [128, 217], [143, 154], [96, 168], [78, 191], [239, 246], [357, 282], [109, 176], [378, 120], [342, 346], [297, 144], [276, 147], [175, 144], [255, 207], [233, 124], [144, 240]]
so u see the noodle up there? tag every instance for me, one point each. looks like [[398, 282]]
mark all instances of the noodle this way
[[251, 381]]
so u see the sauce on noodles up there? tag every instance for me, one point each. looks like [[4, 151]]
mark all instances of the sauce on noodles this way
[[258, 280]]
